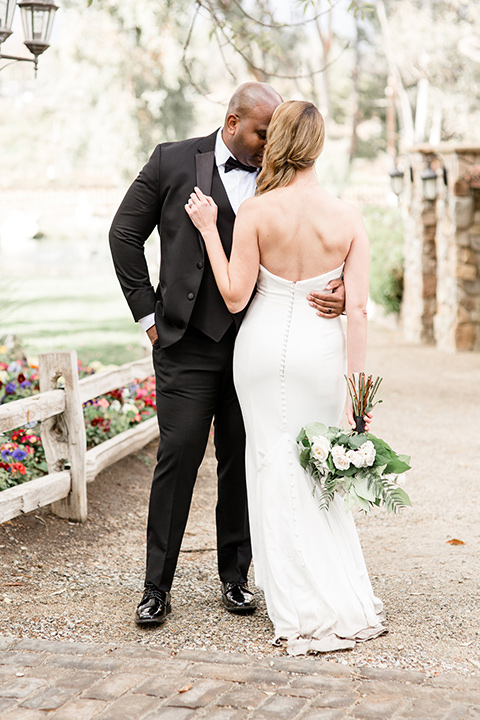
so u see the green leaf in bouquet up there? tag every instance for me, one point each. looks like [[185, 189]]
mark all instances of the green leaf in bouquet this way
[[302, 436], [356, 441], [405, 458], [379, 444], [402, 497], [330, 465], [314, 429], [349, 472], [348, 502], [391, 495], [305, 458], [364, 488], [396, 466], [382, 458], [353, 499]]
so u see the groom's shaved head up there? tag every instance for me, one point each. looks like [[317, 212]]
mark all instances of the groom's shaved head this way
[[251, 95], [248, 116]]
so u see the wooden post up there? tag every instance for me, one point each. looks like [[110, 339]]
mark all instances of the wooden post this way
[[63, 436]]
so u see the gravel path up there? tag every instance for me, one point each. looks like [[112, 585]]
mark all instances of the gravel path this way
[[64, 581]]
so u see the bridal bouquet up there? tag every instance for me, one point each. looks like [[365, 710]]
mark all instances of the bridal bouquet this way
[[357, 465]]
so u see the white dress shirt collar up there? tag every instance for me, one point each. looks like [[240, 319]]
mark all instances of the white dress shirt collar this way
[[222, 153], [239, 184]]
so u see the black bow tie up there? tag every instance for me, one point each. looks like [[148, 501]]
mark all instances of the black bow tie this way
[[234, 164]]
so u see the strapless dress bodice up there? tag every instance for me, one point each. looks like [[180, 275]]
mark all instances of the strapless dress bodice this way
[[273, 285]]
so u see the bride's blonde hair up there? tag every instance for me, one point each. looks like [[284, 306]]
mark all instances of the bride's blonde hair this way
[[295, 139]]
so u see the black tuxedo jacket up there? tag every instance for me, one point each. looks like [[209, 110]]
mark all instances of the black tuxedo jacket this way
[[186, 292]]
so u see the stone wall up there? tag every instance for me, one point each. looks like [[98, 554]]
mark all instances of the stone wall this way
[[442, 251]]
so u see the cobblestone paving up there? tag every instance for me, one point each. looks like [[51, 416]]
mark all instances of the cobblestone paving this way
[[79, 681]]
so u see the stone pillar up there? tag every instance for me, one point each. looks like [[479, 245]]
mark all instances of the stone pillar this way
[[420, 261], [457, 322], [442, 251]]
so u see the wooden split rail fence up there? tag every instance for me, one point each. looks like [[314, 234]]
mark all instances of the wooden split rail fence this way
[[60, 410]]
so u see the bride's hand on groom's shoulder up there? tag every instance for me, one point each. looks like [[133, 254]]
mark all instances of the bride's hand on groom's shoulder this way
[[201, 210], [331, 303]]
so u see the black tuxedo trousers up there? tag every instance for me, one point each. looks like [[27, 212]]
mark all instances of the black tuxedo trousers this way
[[194, 380]]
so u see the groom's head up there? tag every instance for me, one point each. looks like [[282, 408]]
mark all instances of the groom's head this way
[[248, 115]]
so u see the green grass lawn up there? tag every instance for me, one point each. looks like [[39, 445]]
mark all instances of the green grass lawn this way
[[83, 311]]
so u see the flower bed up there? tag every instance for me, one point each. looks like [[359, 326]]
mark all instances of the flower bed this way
[[22, 456]]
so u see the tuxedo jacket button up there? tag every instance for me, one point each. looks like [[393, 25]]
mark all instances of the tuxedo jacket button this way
[[199, 265], [190, 296]]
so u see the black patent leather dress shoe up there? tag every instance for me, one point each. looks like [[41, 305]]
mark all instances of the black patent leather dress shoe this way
[[154, 606], [237, 598]]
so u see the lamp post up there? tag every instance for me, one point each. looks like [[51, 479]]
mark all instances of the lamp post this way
[[37, 19]]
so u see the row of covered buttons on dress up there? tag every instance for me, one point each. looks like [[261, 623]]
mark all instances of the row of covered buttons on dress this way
[[283, 402], [293, 495]]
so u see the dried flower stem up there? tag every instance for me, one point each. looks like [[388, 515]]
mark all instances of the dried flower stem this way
[[362, 391]]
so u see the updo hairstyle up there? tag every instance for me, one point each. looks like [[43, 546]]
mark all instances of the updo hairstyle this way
[[295, 139]]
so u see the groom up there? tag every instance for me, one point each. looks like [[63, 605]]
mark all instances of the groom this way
[[192, 334]]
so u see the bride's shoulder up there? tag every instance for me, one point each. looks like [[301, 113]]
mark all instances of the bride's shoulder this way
[[252, 205], [343, 207]]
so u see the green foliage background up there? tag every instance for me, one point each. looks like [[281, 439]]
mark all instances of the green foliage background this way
[[385, 231]]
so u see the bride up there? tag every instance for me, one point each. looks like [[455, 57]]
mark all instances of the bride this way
[[290, 239]]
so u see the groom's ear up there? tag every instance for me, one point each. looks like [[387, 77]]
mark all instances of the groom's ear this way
[[231, 123]]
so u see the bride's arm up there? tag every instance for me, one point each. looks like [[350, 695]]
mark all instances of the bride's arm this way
[[356, 296], [235, 279]]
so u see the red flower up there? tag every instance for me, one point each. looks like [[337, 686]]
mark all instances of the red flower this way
[[21, 378], [18, 467], [4, 466]]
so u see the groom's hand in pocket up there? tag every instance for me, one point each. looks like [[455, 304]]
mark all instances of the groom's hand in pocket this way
[[152, 334], [331, 302]]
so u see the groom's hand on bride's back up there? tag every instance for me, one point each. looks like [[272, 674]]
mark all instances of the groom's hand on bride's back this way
[[331, 302]]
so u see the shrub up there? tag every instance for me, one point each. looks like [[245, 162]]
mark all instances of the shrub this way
[[385, 231]]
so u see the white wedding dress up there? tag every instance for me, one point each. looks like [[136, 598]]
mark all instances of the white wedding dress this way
[[289, 369]]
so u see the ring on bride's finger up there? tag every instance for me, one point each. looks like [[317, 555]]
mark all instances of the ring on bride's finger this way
[[329, 310]]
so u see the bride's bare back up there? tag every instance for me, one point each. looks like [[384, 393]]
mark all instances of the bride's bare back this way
[[302, 230]]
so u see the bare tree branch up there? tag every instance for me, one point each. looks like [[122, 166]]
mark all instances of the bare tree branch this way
[[261, 72], [280, 26]]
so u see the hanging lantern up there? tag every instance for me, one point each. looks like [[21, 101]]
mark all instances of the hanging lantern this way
[[429, 183], [7, 9], [396, 180], [37, 18]]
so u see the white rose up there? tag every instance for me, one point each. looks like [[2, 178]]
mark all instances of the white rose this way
[[340, 459], [320, 448], [368, 453], [356, 458]]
